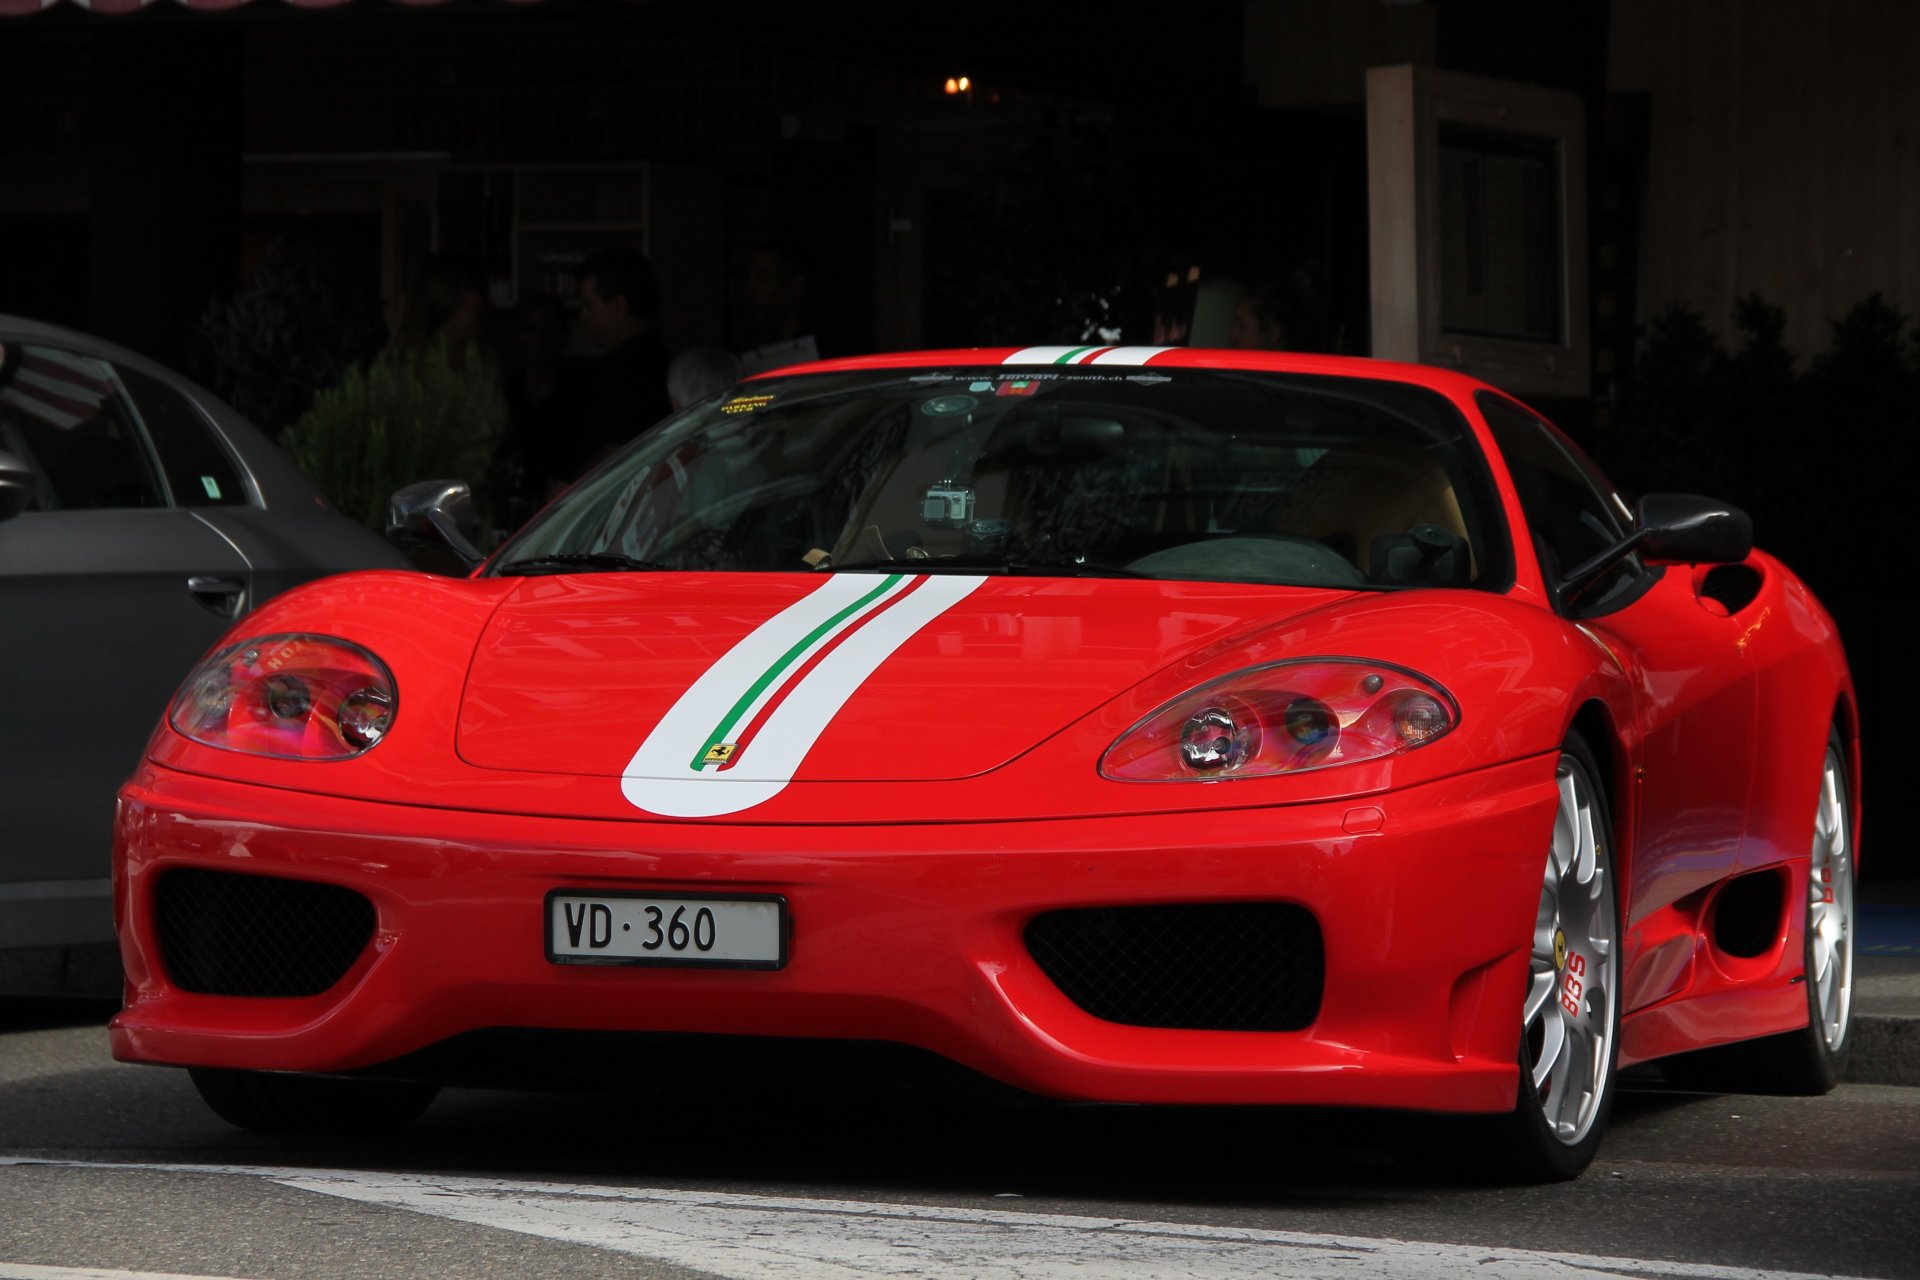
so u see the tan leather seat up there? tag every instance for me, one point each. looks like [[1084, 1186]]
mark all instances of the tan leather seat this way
[[1347, 498]]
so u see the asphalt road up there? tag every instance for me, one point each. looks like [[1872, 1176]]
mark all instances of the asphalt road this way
[[111, 1170]]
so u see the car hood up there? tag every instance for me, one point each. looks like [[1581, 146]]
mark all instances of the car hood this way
[[756, 680]]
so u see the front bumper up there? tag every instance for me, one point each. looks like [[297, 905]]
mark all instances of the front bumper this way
[[1425, 899]]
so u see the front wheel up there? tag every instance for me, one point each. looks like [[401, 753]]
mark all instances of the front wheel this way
[[1570, 1018], [268, 1102]]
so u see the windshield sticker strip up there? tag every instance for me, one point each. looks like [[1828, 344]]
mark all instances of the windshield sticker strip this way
[[1038, 355], [1126, 355], [1084, 355], [820, 677], [762, 689]]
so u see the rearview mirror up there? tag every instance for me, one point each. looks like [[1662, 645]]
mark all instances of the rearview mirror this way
[[436, 513]]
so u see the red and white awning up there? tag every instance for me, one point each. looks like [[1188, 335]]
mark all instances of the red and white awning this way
[[19, 8]]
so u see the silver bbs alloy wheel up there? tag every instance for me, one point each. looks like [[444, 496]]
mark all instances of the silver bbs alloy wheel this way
[[1830, 907], [1573, 973]]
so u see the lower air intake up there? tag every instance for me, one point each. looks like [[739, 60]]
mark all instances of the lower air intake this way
[[1202, 966], [223, 934]]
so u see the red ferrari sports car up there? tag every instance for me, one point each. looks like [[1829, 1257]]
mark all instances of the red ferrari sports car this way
[[1130, 724]]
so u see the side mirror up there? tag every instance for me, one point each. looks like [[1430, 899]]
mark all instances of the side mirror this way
[[436, 513], [1674, 528], [16, 486], [1678, 528]]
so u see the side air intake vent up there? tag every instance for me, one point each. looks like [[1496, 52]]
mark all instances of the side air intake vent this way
[[1733, 585]]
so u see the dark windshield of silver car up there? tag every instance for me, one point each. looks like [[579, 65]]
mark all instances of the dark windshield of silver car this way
[[1188, 474]]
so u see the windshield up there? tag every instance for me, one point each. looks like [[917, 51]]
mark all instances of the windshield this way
[[1191, 474]]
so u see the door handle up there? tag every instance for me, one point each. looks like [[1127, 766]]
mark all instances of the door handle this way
[[224, 596]]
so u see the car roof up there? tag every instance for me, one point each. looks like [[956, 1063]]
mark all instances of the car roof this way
[[1456, 385]]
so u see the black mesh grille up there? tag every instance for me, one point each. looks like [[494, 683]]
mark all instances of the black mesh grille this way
[[236, 935], [1202, 966], [1733, 585]]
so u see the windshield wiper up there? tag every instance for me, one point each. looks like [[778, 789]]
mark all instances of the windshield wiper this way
[[577, 562], [1071, 569], [1017, 568]]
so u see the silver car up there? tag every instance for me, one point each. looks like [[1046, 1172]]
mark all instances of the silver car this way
[[139, 516]]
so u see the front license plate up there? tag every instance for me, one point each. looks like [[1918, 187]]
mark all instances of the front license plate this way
[[694, 930]]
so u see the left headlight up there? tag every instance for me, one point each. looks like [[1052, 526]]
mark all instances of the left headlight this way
[[1284, 717], [297, 696]]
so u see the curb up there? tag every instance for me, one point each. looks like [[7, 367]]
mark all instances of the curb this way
[[1886, 986], [1886, 1050]]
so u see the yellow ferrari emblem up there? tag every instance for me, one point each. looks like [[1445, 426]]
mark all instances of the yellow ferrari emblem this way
[[719, 751], [1559, 948]]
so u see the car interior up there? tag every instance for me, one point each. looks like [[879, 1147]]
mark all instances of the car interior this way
[[1331, 490]]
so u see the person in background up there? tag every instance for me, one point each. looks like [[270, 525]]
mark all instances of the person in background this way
[[705, 484], [1174, 304], [619, 303], [699, 372], [544, 406], [427, 406], [446, 302], [442, 332], [776, 327], [1280, 315]]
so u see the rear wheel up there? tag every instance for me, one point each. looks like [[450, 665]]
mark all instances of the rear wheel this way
[[1810, 1060], [1570, 1019], [1829, 940], [268, 1102]]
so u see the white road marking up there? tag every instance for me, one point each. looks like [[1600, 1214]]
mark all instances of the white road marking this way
[[21, 1271], [748, 1237]]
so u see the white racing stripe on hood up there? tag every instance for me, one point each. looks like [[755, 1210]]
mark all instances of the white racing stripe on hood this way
[[665, 776]]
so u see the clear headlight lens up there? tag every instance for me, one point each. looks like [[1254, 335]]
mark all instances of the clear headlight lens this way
[[1285, 717], [300, 697], [1215, 738]]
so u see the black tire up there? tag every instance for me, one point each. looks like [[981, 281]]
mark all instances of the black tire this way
[[1811, 1060], [1554, 1129], [269, 1102]]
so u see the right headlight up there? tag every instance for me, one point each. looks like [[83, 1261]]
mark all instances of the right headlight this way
[[1283, 717]]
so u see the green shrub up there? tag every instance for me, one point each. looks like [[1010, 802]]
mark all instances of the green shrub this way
[[1822, 459], [402, 417], [307, 317]]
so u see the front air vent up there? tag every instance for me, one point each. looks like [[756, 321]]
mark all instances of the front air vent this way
[[1200, 966], [225, 934]]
